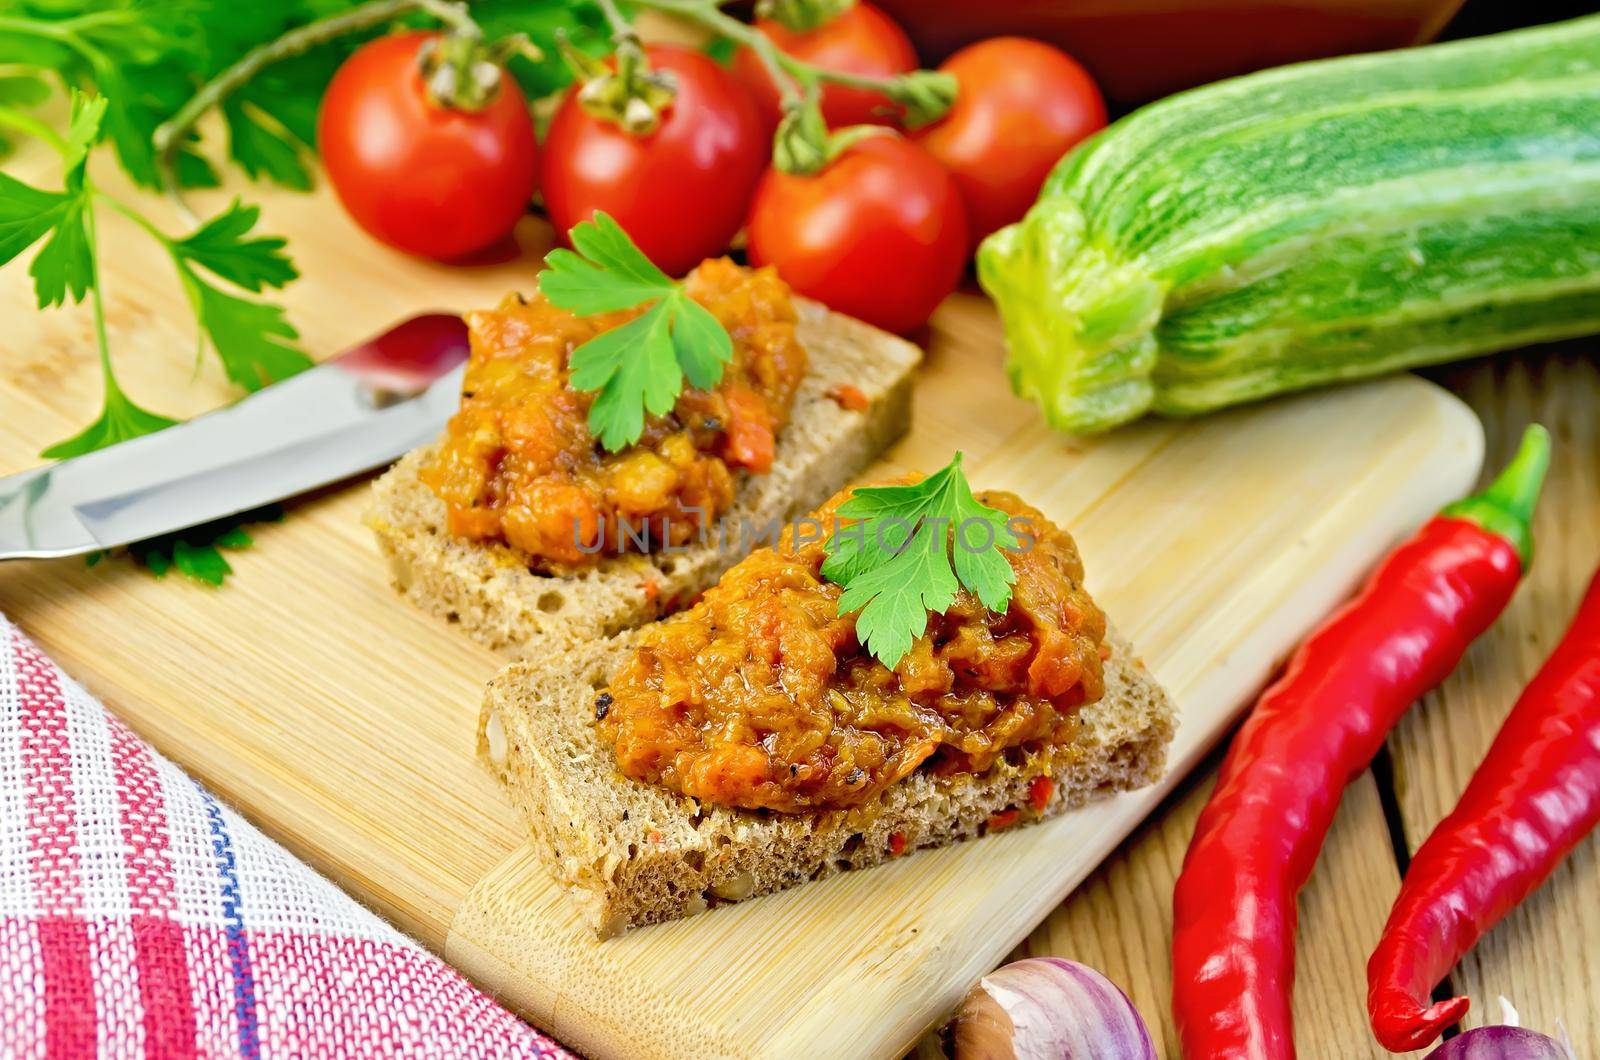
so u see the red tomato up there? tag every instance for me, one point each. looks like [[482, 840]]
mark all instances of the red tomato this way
[[421, 177], [879, 234], [681, 191], [1022, 105], [862, 40]]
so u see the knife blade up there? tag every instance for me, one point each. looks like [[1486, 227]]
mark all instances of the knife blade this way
[[359, 410]]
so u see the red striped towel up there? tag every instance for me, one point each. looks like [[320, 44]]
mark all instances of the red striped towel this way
[[139, 917]]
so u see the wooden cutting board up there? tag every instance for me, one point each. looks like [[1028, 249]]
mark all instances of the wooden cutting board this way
[[341, 721]]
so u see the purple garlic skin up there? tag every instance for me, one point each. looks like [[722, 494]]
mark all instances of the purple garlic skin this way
[[1047, 1008], [1501, 1043]]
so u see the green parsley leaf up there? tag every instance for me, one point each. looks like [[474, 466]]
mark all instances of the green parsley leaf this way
[[895, 560], [203, 563], [254, 340], [262, 148], [18, 93], [83, 132], [139, 57], [196, 552], [23, 90], [20, 48], [224, 246], [290, 92], [65, 265], [119, 421], [234, 537], [634, 370], [700, 341], [194, 172], [607, 272], [26, 214], [639, 367], [155, 561]]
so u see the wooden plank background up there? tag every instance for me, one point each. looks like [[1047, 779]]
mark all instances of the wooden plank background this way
[[1545, 958]]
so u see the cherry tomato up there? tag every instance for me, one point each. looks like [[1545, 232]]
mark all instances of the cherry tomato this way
[[422, 177], [879, 234], [861, 40], [681, 191], [1021, 106]]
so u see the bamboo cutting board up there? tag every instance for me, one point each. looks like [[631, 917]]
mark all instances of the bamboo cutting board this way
[[342, 721]]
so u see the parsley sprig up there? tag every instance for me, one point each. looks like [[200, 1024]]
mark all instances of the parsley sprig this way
[[895, 560], [197, 552], [253, 340], [639, 367]]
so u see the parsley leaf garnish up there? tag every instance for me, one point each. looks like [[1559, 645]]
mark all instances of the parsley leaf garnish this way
[[224, 246], [26, 213], [196, 553], [18, 93], [254, 341], [120, 419], [895, 560], [65, 268], [262, 147], [639, 367]]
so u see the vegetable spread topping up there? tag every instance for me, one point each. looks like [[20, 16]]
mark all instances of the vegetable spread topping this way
[[761, 696], [520, 464]]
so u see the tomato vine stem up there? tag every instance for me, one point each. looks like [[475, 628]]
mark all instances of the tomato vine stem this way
[[910, 89], [790, 75], [711, 15]]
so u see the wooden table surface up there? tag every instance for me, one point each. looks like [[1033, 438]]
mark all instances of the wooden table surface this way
[[1545, 958]]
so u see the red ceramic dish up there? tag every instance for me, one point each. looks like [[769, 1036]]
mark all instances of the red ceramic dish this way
[[1141, 49]]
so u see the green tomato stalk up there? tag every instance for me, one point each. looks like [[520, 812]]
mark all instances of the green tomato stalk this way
[[802, 15], [632, 96], [803, 143]]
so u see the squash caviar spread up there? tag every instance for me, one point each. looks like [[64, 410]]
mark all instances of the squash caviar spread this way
[[518, 463], [760, 696]]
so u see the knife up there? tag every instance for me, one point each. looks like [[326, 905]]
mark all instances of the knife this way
[[354, 412]]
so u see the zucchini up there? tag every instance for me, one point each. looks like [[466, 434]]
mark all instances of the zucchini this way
[[1310, 224]]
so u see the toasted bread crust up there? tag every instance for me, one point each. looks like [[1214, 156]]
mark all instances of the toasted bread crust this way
[[631, 853], [489, 592]]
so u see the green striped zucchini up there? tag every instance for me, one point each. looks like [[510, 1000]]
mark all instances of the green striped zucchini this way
[[1310, 224]]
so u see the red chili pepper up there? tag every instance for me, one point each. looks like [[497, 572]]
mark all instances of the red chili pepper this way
[[1535, 796], [1313, 731]]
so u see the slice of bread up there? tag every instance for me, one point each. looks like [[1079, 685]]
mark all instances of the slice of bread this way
[[632, 853], [488, 590]]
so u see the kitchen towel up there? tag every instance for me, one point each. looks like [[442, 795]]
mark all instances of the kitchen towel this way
[[140, 917]]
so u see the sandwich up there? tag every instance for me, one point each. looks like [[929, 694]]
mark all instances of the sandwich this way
[[556, 509], [886, 677]]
